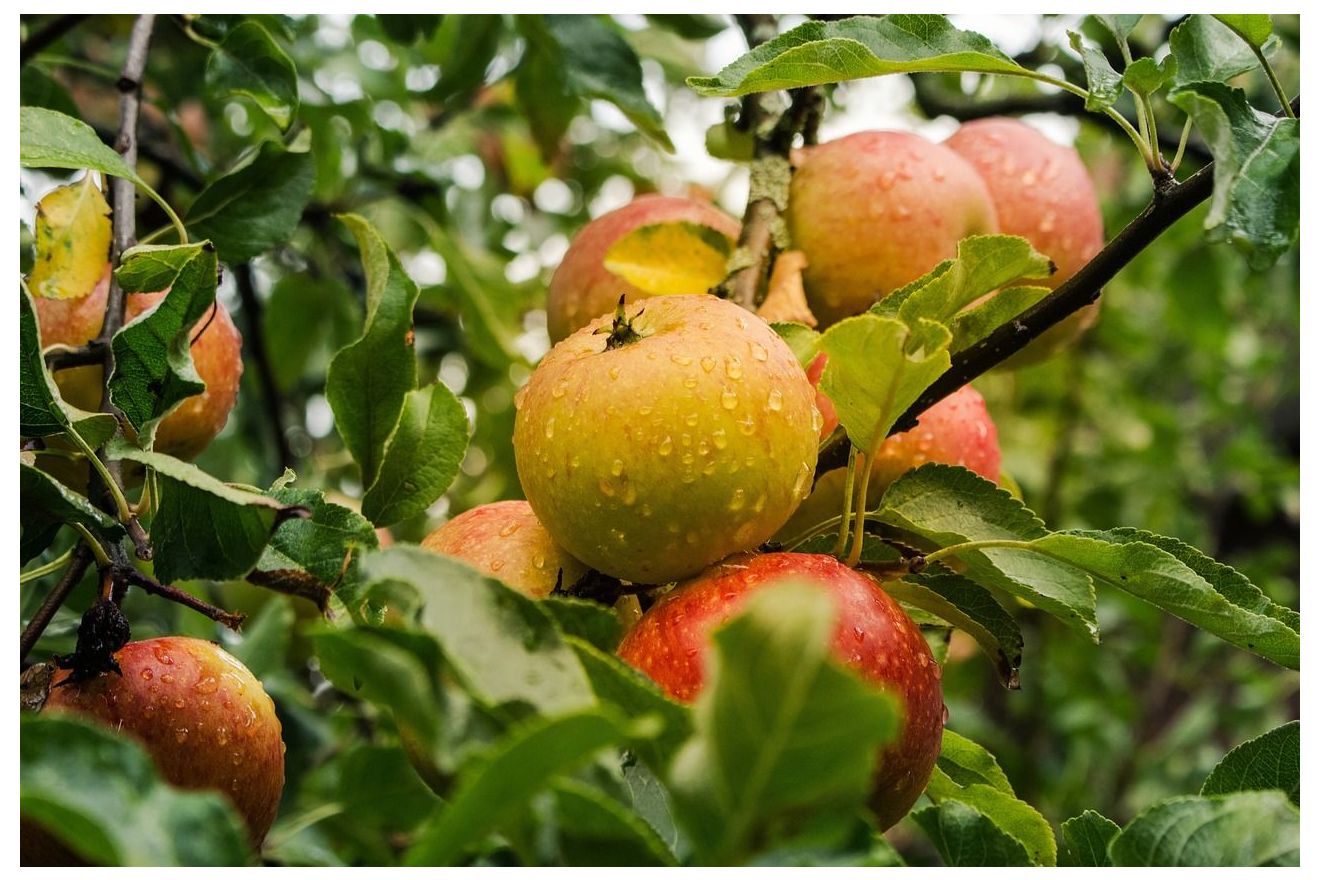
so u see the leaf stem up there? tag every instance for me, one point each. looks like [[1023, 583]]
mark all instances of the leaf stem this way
[[955, 549], [842, 544], [122, 510], [41, 571], [859, 517], [1182, 146], [1274, 81], [94, 545]]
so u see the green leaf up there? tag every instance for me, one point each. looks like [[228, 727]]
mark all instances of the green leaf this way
[[307, 320], [967, 763], [380, 789], [37, 88], [1247, 829], [877, 368], [324, 544], [1257, 198], [1118, 25], [672, 257], [48, 139], [1145, 77], [501, 782], [202, 528], [818, 52], [949, 505], [46, 504], [369, 379], [1271, 760], [804, 341], [154, 369], [780, 729], [966, 838], [464, 46], [502, 645], [691, 27], [249, 63], [596, 62], [618, 684], [1255, 29], [421, 457], [1176, 578], [1014, 817], [99, 794], [491, 307], [407, 29], [1208, 51], [1087, 839], [977, 322], [255, 207], [542, 89], [595, 830], [1103, 83], [972, 609], [41, 412], [589, 621]]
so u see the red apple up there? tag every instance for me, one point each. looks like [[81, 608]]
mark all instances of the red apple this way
[[201, 715], [876, 210], [505, 540], [872, 635], [582, 289]]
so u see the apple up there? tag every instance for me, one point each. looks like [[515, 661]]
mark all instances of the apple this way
[[203, 717], [659, 441], [829, 419], [957, 430], [872, 635], [216, 352], [1042, 192], [582, 289], [876, 210], [506, 541]]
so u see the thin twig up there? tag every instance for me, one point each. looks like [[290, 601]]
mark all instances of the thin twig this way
[[47, 34], [256, 338], [64, 357], [73, 575], [124, 572]]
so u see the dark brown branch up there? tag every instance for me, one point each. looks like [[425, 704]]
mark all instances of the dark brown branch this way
[[64, 357], [124, 572], [73, 575], [46, 34], [256, 337]]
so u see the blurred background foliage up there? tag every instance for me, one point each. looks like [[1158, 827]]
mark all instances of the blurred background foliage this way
[[1179, 413]]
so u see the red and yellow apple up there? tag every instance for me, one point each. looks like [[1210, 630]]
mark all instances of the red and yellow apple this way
[[876, 210], [506, 541], [872, 635], [216, 353], [653, 444], [1042, 192], [582, 289]]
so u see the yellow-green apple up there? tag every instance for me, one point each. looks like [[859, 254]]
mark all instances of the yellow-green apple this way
[[656, 442], [872, 635], [216, 353], [582, 289], [203, 717], [505, 540], [1042, 192], [876, 210]]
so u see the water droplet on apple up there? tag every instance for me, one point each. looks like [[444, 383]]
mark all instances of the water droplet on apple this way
[[616, 468], [733, 367], [708, 363], [776, 400], [728, 399], [681, 359], [207, 685], [719, 438], [739, 500], [666, 446], [759, 351], [550, 427], [508, 529], [181, 735], [147, 674]]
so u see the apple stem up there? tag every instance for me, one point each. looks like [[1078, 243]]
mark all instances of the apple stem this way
[[855, 556], [621, 330]]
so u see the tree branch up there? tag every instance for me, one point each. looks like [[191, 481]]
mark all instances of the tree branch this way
[[46, 34], [256, 335], [73, 575], [125, 573]]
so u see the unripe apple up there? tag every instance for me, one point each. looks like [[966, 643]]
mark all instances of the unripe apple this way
[[505, 540], [1042, 192], [657, 442], [216, 353], [582, 289], [872, 635], [876, 210], [957, 430], [203, 717]]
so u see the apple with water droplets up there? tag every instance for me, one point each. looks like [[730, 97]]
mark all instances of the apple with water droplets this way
[[656, 442], [872, 635], [506, 541], [203, 717]]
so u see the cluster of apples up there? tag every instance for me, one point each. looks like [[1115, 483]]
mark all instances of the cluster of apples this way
[[668, 439]]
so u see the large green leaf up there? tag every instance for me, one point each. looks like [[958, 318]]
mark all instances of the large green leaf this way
[[1247, 829], [819, 52], [781, 730], [1087, 837], [463, 46], [99, 794], [41, 412], [202, 528], [1103, 83], [325, 545], [971, 608], [154, 369], [369, 379], [596, 830], [1256, 203], [1014, 817], [1208, 51], [249, 63], [256, 206], [500, 783], [49, 139], [1271, 760], [967, 763], [1254, 29], [46, 504], [306, 320], [421, 457], [967, 838]]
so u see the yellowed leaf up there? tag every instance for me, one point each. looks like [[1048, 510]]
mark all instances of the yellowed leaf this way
[[670, 258], [72, 241], [785, 299]]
